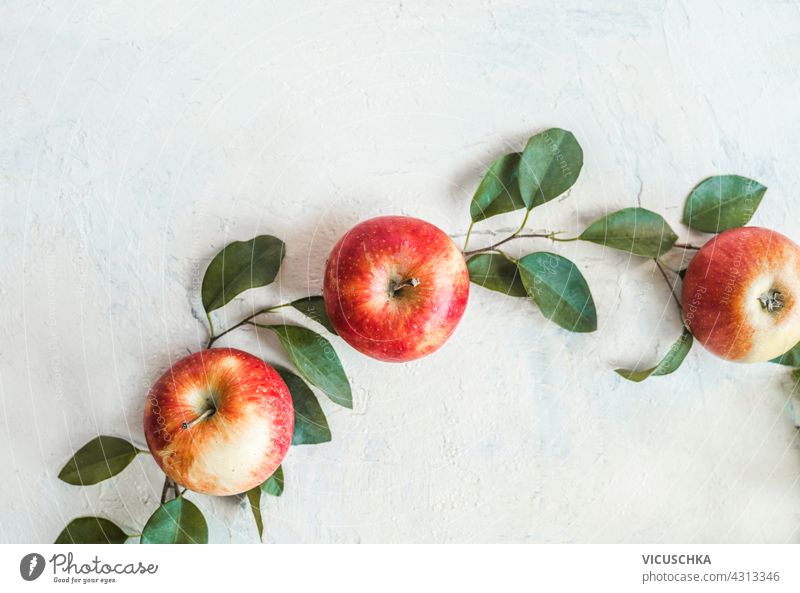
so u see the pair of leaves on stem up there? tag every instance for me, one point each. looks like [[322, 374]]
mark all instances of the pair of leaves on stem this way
[[178, 521], [714, 205], [554, 283], [547, 167]]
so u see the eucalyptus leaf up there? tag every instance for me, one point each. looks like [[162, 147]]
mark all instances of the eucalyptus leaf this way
[[241, 265], [498, 192], [635, 230], [722, 202], [254, 500], [550, 165], [558, 287], [274, 484], [315, 360], [92, 530], [98, 460], [314, 308], [496, 271], [790, 358], [177, 522], [310, 424], [669, 364]]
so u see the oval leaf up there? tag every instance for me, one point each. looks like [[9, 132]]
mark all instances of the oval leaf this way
[[560, 290], [790, 358], [314, 308], [549, 166], [316, 360], [310, 424], [98, 460], [635, 230], [92, 530], [240, 266], [177, 522], [254, 499], [497, 272], [274, 484], [499, 189], [722, 202], [669, 364]]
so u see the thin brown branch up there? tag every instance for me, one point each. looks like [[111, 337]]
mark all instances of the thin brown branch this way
[[213, 338], [669, 283]]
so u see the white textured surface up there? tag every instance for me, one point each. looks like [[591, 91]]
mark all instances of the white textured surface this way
[[140, 137]]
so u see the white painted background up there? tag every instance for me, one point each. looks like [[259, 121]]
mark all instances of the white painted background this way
[[137, 138]]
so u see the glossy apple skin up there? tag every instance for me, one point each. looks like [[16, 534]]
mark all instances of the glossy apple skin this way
[[241, 444], [721, 291], [407, 324]]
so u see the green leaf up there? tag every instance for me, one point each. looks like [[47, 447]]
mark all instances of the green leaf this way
[[274, 484], [558, 287], [314, 308], [790, 358], [98, 460], [316, 361], [722, 202], [497, 272], [669, 364], [254, 498], [239, 266], [310, 425], [177, 522], [635, 230], [92, 530], [499, 189], [550, 165]]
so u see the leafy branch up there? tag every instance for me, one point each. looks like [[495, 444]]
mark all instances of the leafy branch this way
[[549, 166], [238, 267]]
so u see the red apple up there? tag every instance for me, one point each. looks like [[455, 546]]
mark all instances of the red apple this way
[[395, 287], [740, 294], [219, 421]]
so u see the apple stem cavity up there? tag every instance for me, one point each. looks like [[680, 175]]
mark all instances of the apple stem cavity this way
[[771, 301], [203, 416], [395, 287]]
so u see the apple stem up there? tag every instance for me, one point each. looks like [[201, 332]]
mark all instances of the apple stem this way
[[771, 301], [397, 286], [203, 416]]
